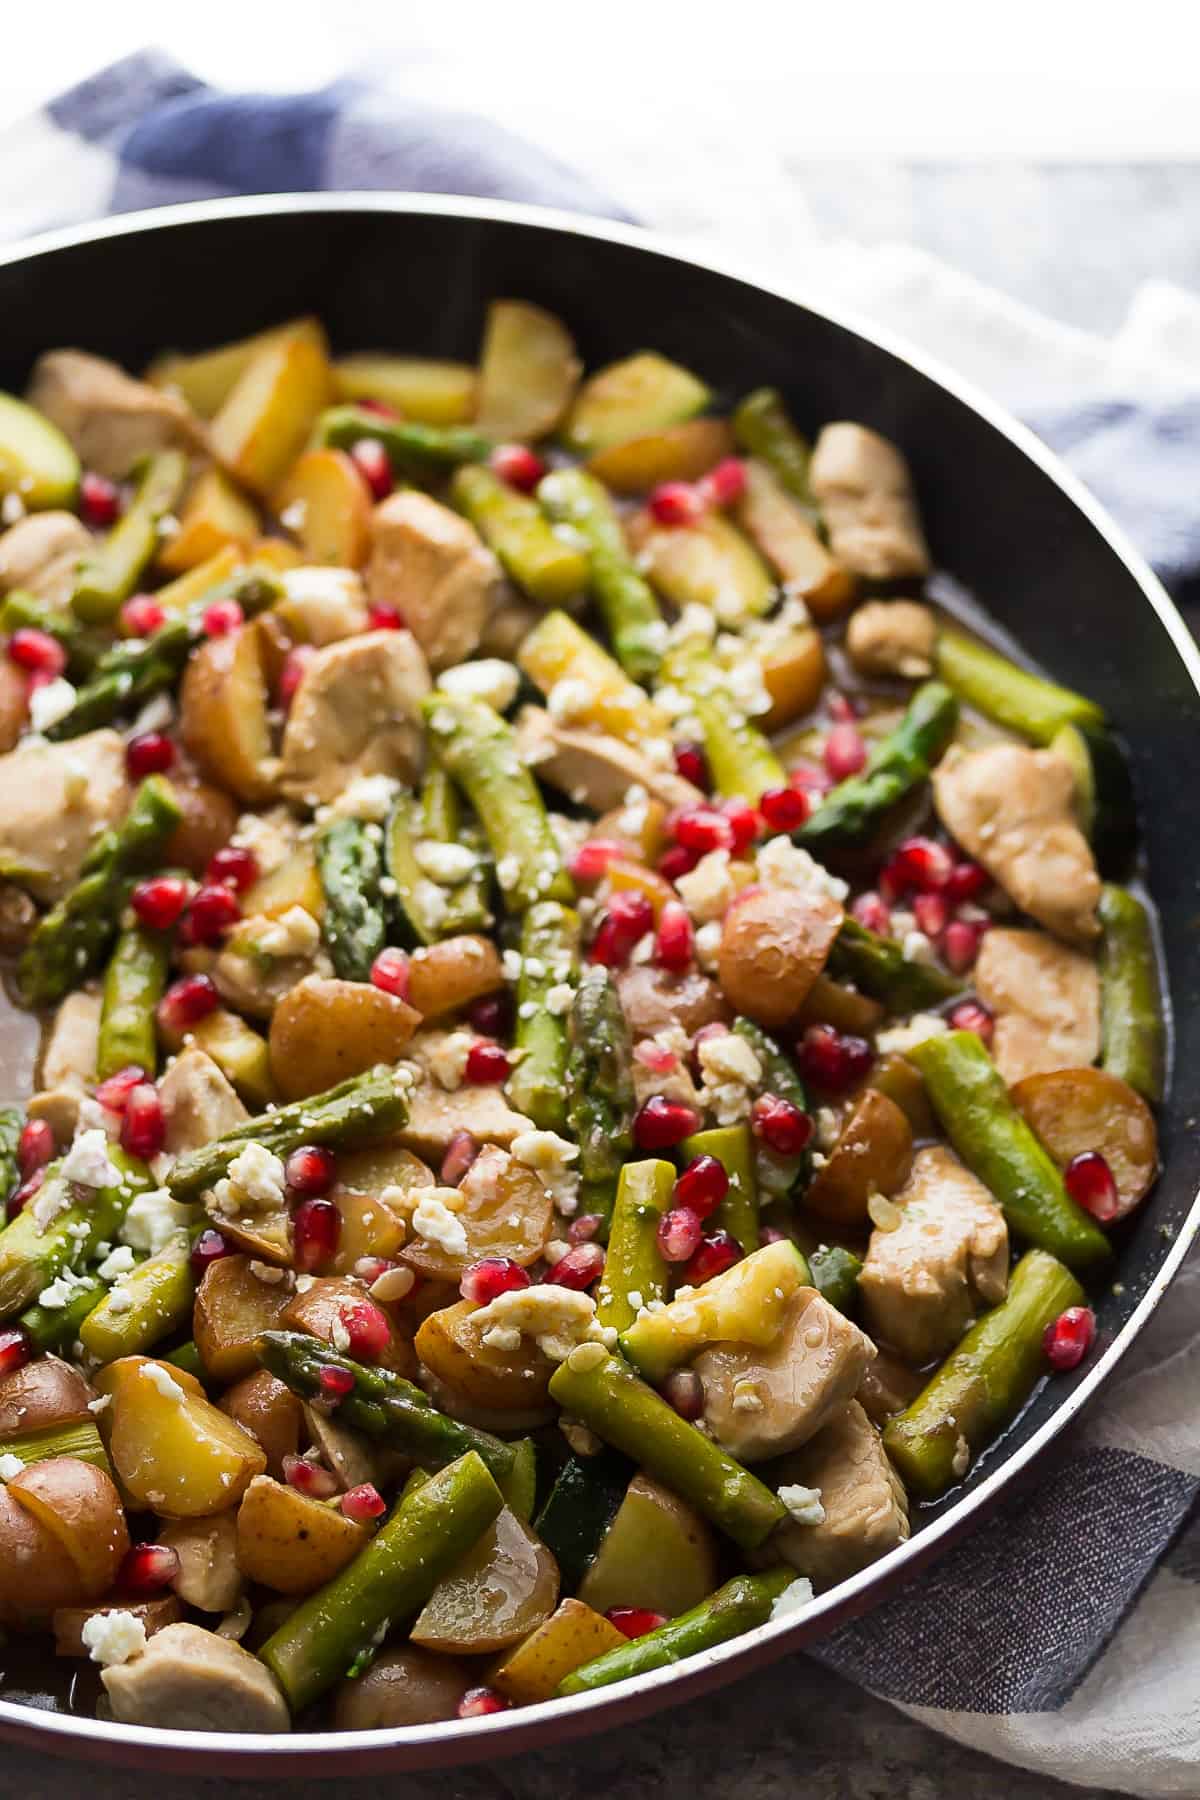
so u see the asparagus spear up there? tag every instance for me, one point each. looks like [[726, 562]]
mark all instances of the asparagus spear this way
[[761, 425], [634, 1265], [776, 1176], [12, 1121], [537, 1086], [83, 645], [972, 1104], [427, 1532], [519, 1486], [549, 570], [984, 1382], [600, 1096], [878, 966], [626, 600], [479, 750], [362, 1110], [110, 574], [133, 987], [1133, 1031], [431, 911], [411, 448], [900, 762], [350, 864], [187, 1357], [78, 1438], [733, 1147], [30, 1258], [740, 760], [1011, 696], [70, 941], [381, 1404], [146, 1305], [604, 1392], [834, 1272], [52, 1327], [739, 1606]]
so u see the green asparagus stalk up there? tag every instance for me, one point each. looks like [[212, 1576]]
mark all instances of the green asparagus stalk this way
[[776, 1176], [12, 1121], [78, 1438], [1133, 1030], [53, 1327], [878, 967], [580, 1507], [537, 1086], [188, 1358], [761, 426], [431, 911], [30, 1257], [1010, 695], [381, 1404], [739, 1606], [733, 1147], [350, 864], [984, 1382], [479, 750], [626, 600], [600, 1094], [83, 645], [548, 569], [427, 1532], [363, 1110], [519, 1486], [133, 987], [111, 573], [634, 1270], [971, 1101], [834, 1272], [604, 1392], [740, 760], [412, 448], [856, 809], [149, 1303]]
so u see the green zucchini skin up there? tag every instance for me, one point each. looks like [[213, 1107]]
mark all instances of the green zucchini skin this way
[[579, 1509], [1104, 788]]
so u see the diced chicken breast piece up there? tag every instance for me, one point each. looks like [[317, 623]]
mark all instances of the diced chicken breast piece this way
[[322, 605], [431, 564], [198, 1103], [357, 711], [594, 769], [892, 637], [68, 1064], [1046, 1000], [867, 503], [189, 1679], [1013, 809], [40, 554], [763, 1402], [110, 418], [861, 1496], [947, 1259], [437, 1109], [208, 1577], [54, 800]]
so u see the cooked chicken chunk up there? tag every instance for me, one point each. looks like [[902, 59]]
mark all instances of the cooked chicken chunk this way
[[437, 1110], [189, 1679], [861, 1495], [40, 554], [54, 800], [1046, 999], [892, 637], [763, 1402], [356, 712], [322, 606], [923, 1283], [867, 503], [110, 418], [68, 1064], [198, 1102], [430, 563], [208, 1575], [1012, 808], [266, 959], [594, 769]]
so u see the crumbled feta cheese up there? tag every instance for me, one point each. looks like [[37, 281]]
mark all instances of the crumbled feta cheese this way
[[267, 837], [707, 890], [695, 623], [164, 1381], [293, 517], [508, 871], [117, 1262], [368, 797], [12, 508], [727, 1057], [49, 704], [97, 1406], [782, 864], [556, 1318], [294, 933], [152, 1220], [446, 864], [559, 998], [448, 1059], [917, 948], [505, 1338], [491, 680], [339, 1336], [708, 945], [828, 1127], [804, 1504], [550, 1157], [62, 1290], [113, 1637], [794, 1598], [430, 900], [268, 1273], [255, 1183], [569, 699], [10, 1465], [433, 1220], [158, 714], [88, 1162], [897, 1039]]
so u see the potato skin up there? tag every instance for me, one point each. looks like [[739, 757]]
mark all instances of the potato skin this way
[[209, 821], [325, 1030], [320, 1308], [35, 1577], [402, 1687], [451, 1347], [496, 1190], [445, 976], [1072, 1110], [63, 1543], [654, 999], [233, 1308], [873, 1153], [44, 1393], [290, 1543], [223, 714], [774, 943], [336, 523], [270, 1412]]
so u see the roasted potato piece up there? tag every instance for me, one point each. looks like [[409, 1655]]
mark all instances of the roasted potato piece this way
[[451, 1347], [43, 1393], [233, 1309], [35, 1577], [328, 499], [68, 1621], [206, 378], [793, 674], [14, 703], [371, 1224], [642, 829], [625, 876], [209, 821], [291, 1543], [1073, 1110], [418, 387], [774, 943], [900, 1080], [677, 453], [443, 977], [833, 1003], [655, 999], [194, 584], [658, 1552], [294, 883], [505, 1212], [174, 1453], [266, 418], [62, 1538], [401, 1687], [214, 516], [325, 1030], [504, 1588], [873, 1154], [223, 714], [528, 371], [319, 1312], [270, 1412], [570, 1637]]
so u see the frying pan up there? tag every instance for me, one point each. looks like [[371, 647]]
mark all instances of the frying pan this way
[[1009, 526]]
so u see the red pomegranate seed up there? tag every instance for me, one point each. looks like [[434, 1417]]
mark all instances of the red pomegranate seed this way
[[371, 460], [578, 1268], [843, 709], [370, 1268], [809, 779], [461, 1152], [37, 651], [971, 1015], [210, 1247], [780, 1124], [845, 752], [311, 1170], [583, 1228], [676, 503], [655, 1057], [159, 902], [628, 918], [151, 753], [316, 1228], [99, 500], [212, 909], [368, 1329], [784, 809], [703, 828], [675, 939], [113, 1093], [478, 1702], [143, 1125], [893, 881], [363, 1503], [931, 914], [383, 617], [487, 1064], [831, 1059], [770, 1234], [677, 861], [186, 1002], [221, 617], [924, 863], [1089, 1181], [495, 1275], [725, 484], [335, 1384], [379, 407], [234, 867], [389, 971], [292, 673], [679, 1234], [15, 1349], [491, 1014], [19, 1200], [684, 1391], [692, 763], [966, 881], [142, 615], [147, 1569], [35, 1146], [519, 467], [871, 910], [661, 1123], [590, 862], [310, 1478], [1067, 1339], [960, 943], [744, 822], [635, 1621], [702, 1186], [717, 1252]]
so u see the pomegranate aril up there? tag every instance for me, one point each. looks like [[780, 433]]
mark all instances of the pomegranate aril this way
[[655, 1057], [367, 1328], [924, 863], [684, 1391], [725, 484], [780, 1124], [99, 500], [770, 1234], [186, 1002], [692, 763], [1089, 1181], [784, 809], [379, 407], [221, 617], [831, 1059], [583, 1228], [461, 1152], [310, 1478], [679, 1234], [628, 918], [151, 753], [579, 1268], [703, 828], [316, 1228], [971, 1015], [702, 1186], [142, 615], [210, 1247], [384, 617], [966, 881], [389, 971], [143, 1124], [676, 503], [844, 752], [495, 1275], [363, 1503], [292, 673], [311, 1170], [35, 1146], [590, 862], [843, 709], [519, 467], [717, 1252], [232, 866], [371, 460], [478, 1702], [147, 1569], [491, 1014], [744, 822], [159, 902], [15, 1350], [677, 861], [335, 1384], [37, 652], [487, 1064], [661, 1123], [1067, 1339], [960, 944], [810, 779], [114, 1091], [212, 909], [19, 1200], [635, 1621], [675, 939], [871, 910], [931, 914]]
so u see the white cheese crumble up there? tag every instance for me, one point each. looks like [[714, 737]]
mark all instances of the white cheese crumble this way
[[556, 1318], [559, 998], [87, 1161], [162, 1379], [62, 1290], [49, 704], [294, 933], [446, 864], [782, 864], [267, 838], [433, 1220], [567, 700], [10, 1465], [794, 1598], [117, 1262], [491, 680], [448, 1059], [113, 1637], [255, 1183], [917, 948], [368, 797], [804, 1504], [508, 872], [727, 1057], [152, 1220], [896, 1039], [707, 890]]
